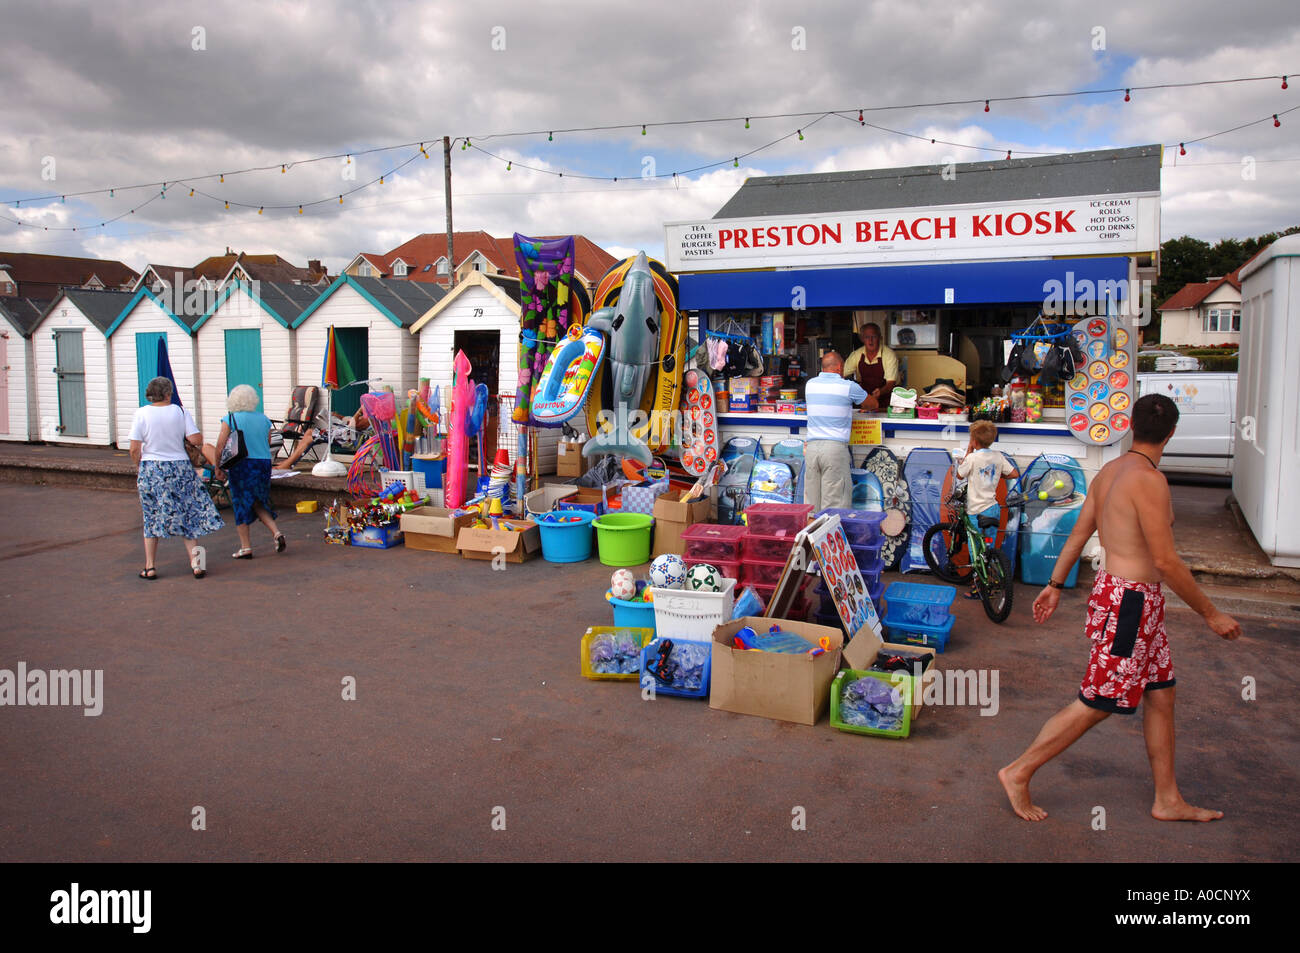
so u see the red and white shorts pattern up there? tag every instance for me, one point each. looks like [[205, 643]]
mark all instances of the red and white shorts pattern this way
[[1130, 651]]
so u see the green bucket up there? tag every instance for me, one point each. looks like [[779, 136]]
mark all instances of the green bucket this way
[[623, 538]]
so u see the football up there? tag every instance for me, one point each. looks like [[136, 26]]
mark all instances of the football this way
[[704, 578], [623, 584], [668, 572]]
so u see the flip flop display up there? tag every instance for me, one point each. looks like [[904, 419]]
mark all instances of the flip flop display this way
[[1096, 397], [896, 501], [700, 441]]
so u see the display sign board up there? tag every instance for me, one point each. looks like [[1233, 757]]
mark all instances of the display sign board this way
[[823, 542], [1099, 398], [865, 432], [1085, 225]]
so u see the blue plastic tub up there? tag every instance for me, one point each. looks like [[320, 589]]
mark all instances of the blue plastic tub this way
[[914, 602], [913, 633], [651, 651], [566, 542], [632, 615], [432, 470]]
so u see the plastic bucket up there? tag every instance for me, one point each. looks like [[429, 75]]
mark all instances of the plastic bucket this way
[[633, 614], [623, 538], [565, 542], [432, 470]]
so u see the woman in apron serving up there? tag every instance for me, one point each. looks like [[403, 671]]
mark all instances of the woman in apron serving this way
[[874, 367]]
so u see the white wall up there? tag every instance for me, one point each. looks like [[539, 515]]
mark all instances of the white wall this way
[[241, 311], [394, 351], [147, 316], [437, 337], [100, 420], [14, 426]]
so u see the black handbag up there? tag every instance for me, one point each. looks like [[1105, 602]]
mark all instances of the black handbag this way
[[1012, 367], [235, 449]]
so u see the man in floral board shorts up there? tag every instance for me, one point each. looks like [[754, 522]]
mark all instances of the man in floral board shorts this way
[[1129, 507]]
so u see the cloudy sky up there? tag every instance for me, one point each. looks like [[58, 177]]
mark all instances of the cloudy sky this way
[[112, 94]]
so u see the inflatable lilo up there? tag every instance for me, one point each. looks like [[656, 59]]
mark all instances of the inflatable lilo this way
[[567, 378]]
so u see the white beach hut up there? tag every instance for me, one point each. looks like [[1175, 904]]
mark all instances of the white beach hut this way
[[71, 356], [18, 316], [246, 338], [134, 337]]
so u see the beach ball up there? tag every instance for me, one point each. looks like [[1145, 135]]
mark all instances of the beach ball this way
[[704, 578], [668, 572], [623, 584]]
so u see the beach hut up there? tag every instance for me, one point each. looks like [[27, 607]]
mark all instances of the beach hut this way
[[18, 316], [146, 319], [371, 318], [74, 382], [246, 338], [480, 316]]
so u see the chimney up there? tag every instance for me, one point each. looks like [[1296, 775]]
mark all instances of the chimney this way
[[313, 265]]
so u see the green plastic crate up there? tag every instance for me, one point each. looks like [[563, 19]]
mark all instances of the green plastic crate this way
[[852, 675]]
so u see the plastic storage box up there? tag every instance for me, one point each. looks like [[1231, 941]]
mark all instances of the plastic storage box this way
[[870, 570], [912, 602], [684, 615], [798, 610], [847, 677], [638, 637], [762, 575], [651, 652], [912, 633], [777, 519], [729, 570], [711, 543], [768, 549], [861, 527]]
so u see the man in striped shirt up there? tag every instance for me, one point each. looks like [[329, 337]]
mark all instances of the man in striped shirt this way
[[827, 459]]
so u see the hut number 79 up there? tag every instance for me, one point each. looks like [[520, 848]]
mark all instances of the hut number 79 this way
[[478, 312]]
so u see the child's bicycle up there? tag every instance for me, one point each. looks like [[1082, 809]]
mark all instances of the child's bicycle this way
[[944, 543]]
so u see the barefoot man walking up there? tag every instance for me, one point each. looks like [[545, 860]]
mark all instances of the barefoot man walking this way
[[1129, 506]]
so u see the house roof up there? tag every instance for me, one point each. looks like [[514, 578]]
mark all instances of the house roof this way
[[1135, 169], [590, 260], [60, 271], [1192, 294], [167, 273], [186, 322], [257, 267], [101, 308], [400, 300], [24, 313]]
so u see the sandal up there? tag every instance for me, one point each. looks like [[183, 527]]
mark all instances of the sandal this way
[[280, 543], [149, 572], [198, 573], [242, 554]]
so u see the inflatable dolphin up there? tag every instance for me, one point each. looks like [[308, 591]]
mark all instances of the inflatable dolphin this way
[[633, 326]]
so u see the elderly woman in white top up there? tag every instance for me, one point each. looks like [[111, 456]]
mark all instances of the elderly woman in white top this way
[[171, 496]]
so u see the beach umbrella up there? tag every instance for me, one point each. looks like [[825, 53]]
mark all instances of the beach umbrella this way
[[336, 373], [165, 370]]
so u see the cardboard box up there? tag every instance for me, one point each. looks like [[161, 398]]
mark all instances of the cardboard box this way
[[861, 652], [585, 498], [771, 685], [433, 528], [569, 461], [377, 537], [516, 546], [544, 499], [641, 497], [672, 517]]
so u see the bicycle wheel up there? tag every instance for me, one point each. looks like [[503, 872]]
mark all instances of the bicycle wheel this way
[[943, 545], [219, 492], [996, 586]]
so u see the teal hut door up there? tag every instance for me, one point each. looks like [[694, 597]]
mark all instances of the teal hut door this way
[[244, 360], [70, 366], [146, 359]]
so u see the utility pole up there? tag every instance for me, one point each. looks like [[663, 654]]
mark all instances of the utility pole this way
[[446, 176]]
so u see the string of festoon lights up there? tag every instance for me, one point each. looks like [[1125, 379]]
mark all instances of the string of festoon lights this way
[[200, 186]]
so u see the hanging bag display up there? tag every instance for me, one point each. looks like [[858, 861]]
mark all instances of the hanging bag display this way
[[234, 449]]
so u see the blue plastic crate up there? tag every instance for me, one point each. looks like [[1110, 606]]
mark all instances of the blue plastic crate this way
[[930, 636], [919, 603], [861, 527], [652, 650]]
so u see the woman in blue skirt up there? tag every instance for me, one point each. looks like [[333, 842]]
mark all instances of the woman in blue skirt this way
[[171, 496], [250, 478]]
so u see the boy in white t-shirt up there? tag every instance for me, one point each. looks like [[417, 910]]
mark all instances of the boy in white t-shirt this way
[[983, 469]]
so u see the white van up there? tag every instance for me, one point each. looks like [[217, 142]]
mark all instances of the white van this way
[[1207, 420]]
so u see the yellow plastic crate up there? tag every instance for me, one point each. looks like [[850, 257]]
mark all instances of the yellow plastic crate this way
[[308, 506], [642, 637]]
